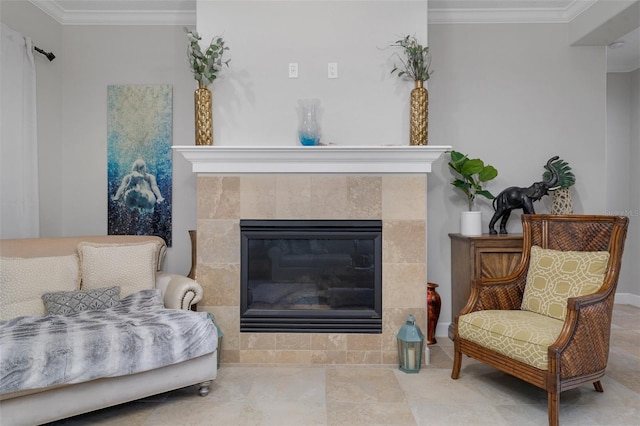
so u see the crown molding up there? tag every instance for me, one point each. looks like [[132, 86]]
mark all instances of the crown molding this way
[[443, 15], [115, 17], [512, 15]]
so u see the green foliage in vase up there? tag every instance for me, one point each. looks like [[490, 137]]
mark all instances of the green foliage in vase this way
[[472, 174], [415, 63], [566, 178], [205, 65]]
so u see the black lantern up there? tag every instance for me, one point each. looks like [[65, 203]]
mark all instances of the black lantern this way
[[410, 343]]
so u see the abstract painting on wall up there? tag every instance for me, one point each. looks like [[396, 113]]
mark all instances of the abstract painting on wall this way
[[139, 139]]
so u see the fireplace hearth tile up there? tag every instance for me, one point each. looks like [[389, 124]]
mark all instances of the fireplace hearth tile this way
[[329, 357], [218, 241], [293, 197], [329, 342], [398, 197], [364, 342], [220, 283], [253, 341], [293, 357], [258, 356], [222, 200], [364, 357], [404, 241], [288, 341], [258, 196], [404, 285], [364, 197]]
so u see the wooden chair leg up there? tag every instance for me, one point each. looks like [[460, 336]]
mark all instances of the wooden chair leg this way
[[598, 386], [553, 402], [457, 363]]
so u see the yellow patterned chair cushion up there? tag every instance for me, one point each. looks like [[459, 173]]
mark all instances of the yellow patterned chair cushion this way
[[520, 335], [554, 276]]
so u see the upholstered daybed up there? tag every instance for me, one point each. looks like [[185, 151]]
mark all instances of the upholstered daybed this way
[[90, 322]]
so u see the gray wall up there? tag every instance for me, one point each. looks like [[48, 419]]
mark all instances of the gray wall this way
[[72, 93], [513, 95], [365, 105], [623, 149]]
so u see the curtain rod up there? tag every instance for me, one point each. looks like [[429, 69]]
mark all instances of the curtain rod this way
[[50, 56]]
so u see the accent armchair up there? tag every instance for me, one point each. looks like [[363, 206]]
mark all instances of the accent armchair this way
[[549, 322]]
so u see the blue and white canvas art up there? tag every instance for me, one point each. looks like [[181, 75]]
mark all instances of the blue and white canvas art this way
[[139, 139]]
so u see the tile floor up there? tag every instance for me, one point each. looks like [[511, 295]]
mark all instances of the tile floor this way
[[361, 395]]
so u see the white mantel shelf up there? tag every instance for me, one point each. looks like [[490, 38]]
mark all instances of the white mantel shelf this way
[[402, 159]]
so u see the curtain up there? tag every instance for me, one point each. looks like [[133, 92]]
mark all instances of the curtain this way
[[19, 215]]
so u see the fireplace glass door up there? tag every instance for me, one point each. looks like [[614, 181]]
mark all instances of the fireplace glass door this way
[[311, 276]]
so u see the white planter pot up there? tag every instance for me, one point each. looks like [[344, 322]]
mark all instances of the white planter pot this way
[[471, 223]]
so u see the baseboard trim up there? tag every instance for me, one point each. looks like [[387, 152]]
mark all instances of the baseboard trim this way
[[627, 299]]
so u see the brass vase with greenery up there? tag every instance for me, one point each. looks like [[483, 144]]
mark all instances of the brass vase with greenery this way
[[562, 200], [205, 67], [415, 64]]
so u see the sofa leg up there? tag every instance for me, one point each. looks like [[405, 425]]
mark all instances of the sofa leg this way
[[203, 388], [553, 399], [598, 386]]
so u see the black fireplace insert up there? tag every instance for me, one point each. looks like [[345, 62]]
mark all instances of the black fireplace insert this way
[[311, 276]]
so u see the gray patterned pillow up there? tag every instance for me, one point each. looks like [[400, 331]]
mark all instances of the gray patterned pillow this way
[[69, 302]]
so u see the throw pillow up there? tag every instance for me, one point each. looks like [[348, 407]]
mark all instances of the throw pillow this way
[[554, 276], [132, 267], [69, 302], [23, 280]]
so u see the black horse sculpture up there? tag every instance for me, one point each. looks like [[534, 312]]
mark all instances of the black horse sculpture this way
[[521, 198]]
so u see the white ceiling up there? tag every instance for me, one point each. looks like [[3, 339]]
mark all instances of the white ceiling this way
[[183, 12]]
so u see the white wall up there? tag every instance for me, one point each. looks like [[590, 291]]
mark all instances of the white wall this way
[[514, 96], [634, 248], [72, 115], [623, 193], [255, 102]]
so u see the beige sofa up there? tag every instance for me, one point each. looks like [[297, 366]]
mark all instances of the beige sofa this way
[[36, 406]]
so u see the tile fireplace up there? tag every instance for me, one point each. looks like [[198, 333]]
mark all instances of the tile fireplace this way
[[382, 184]]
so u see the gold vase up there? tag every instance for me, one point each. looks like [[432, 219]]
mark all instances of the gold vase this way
[[204, 116], [419, 115]]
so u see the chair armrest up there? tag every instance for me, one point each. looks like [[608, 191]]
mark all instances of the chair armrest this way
[[583, 344], [178, 291], [496, 294]]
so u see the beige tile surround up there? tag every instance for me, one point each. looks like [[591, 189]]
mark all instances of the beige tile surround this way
[[398, 200]]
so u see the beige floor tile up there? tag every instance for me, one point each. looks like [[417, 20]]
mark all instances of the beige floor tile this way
[[383, 395], [369, 413]]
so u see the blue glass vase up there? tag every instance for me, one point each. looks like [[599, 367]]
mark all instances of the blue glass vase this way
[[309, 129]]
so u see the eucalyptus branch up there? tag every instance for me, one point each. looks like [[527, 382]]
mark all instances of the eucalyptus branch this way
[[205, 66], [416, 62]]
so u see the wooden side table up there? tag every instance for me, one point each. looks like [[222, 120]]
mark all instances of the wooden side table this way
[[485, 256]]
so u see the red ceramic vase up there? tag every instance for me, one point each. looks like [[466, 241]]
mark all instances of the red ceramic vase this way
[[433, 312]]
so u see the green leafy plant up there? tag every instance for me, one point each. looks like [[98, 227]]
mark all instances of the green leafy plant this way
[[416, 62], [566, 178], [205, 65], [472, 174]]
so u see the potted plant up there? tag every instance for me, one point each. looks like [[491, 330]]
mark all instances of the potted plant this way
[[415, 64], [472, 174], [562, 201], [205, 67]]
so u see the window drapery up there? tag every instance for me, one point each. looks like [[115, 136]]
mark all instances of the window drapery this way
[[19, 214]]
